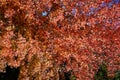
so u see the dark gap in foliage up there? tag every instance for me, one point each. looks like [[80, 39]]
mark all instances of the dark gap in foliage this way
[[2, 16], [10, 74], [54, 7], [67, 75]]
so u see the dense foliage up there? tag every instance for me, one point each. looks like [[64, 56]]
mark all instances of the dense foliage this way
[[52, 39]]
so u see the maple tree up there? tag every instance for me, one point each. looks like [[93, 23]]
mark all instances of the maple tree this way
[[47, 38]]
